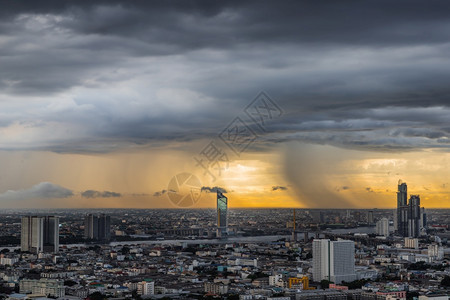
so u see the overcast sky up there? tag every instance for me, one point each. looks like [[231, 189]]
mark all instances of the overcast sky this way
[[131, 91]]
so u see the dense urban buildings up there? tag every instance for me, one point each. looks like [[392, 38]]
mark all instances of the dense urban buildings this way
[[48, 287], [259, 258], [40, 234], [175, 254]]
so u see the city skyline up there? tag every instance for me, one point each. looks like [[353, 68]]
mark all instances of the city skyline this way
[[251, 150], [103, 103]]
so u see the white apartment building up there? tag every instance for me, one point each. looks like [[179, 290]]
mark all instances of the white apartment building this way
[[382, 227], [333, 260]]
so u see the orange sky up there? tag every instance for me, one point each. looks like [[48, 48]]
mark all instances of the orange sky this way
[[313, 176]]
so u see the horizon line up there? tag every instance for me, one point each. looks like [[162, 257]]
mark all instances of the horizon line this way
[[193, 208]]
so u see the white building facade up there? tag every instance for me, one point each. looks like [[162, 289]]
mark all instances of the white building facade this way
[[333, 260]]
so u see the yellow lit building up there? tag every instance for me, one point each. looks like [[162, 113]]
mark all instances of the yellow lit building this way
[[302, 283]]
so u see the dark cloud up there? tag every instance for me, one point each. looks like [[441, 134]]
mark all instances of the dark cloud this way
[[114, 74], [279, 187], [98, 194], [162, 192], [198, 24], [159, 193], [214, 189], [342, 188]]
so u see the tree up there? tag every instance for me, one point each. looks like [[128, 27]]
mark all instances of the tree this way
[[446, 281], [125, 250], [356, 284], [96, 296], [325, 283], [412, 295], [69, 283], [135, 295]]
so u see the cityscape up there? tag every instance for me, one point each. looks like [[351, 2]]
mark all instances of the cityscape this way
[[231, 253], [214, 150]]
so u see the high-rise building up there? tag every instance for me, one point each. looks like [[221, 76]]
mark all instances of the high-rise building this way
[[370, 218], [409, 215], [222, 212], [435, 252], [402, 209], [91, 227], [146, 288], [104, 227], [334, 260], [40, 234], [51, 234], [414, 216], [97, 227], [317, 216], [423, 218], [412, 243], [382, 227]]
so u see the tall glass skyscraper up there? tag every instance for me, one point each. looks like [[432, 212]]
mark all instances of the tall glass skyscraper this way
[[402, 209], [409, 214], [222, 211]]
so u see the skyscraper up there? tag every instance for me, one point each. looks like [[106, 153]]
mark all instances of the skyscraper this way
[[317, 216], [51, 234], [40, 234], [382, 227], [423, 218], [222, 212], [104, 227], [91, 227], [370, 219], [402, 209], [334, 260], [414, 216], [97, 227], [409, 214]]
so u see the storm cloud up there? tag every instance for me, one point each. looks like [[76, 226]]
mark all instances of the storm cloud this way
[[114, 74], [279, 188], [98, 194]]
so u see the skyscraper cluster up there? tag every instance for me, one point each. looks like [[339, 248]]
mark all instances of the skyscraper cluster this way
[[40, 234], [410, 217], [97, 227]]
